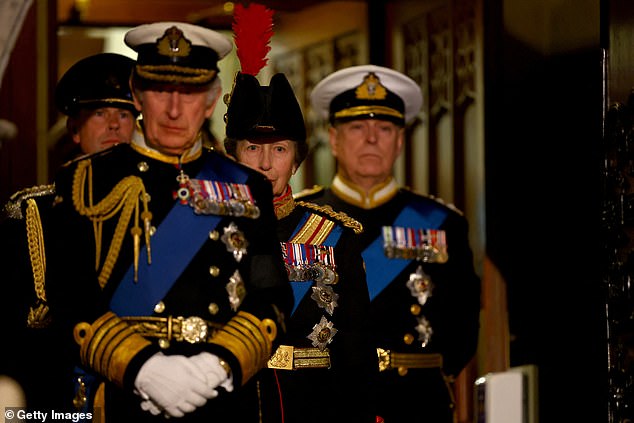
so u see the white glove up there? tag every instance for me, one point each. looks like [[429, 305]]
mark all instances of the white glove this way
[[213, 371], [173, 384]]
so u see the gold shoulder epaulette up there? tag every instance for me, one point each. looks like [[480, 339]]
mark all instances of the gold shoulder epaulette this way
[[308, 191], [438, 200], [13, 208], [342, 217]]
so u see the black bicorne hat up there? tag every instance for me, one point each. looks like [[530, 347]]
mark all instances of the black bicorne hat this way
[[101, 80], [257, 112]]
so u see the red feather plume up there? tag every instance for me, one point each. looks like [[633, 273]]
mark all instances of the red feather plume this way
[[252, 31]]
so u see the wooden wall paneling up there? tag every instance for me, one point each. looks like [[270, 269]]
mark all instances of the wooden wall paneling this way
[[18, 157], [439, 51]]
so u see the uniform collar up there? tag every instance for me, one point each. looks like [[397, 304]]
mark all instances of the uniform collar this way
[[355, 195], [284, 204], [138, 144]]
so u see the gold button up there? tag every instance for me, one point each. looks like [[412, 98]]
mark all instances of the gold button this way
[[408, 338], [214, 235], [213, 308], [159, 307], [143, 166], [415, 309], [214, 271], [164, 343], [402, 371], [152, 230]]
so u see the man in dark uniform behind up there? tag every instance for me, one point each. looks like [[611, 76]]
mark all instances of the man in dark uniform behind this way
[[94, 94], [425, 294], [164, 272]]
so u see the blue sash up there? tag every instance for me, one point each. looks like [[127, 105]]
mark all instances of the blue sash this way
[[301, 287], [182, 233], [381, 270]]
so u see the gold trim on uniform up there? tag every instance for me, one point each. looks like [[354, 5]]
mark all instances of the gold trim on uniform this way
[[108, 345], [354, 194], [393, 360], [139, 145], [249, 340], [124, 199], [190, 329], [368, 110], [283, 205], [13, 207], [315, 230], [287, 357], [38, 316], [341, 217]]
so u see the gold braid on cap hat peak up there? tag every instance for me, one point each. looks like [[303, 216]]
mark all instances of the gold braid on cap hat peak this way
[[366, 110], [123, 198], [197, 76]]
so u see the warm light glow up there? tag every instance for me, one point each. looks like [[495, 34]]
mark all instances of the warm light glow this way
[[82, 6], [228, 7]]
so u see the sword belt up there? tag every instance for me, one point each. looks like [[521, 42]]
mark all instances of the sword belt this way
[[180, 329]]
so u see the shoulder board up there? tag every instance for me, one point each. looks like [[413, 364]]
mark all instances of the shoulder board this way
[[436, 199], [341, 217], [13, 207], [308, 192], [91, 155]]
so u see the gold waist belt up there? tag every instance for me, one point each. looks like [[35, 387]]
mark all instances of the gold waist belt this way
[[166, 329], [393, 360], [287, 357]]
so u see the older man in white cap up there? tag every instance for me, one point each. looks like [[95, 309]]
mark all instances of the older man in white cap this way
[[171, 280], [425, 294]]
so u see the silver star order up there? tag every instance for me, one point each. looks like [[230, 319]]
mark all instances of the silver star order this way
[[235, 241], [322, 333], [325, 297], [420, 285], [424, 331], [236, 290]]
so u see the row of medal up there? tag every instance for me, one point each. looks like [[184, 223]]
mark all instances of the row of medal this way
[[218, 198], [425, 245], [306, 262]]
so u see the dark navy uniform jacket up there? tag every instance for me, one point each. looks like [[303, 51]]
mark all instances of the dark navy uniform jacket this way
[[340, 393], [451, 312], [75, 290], [23, 303]]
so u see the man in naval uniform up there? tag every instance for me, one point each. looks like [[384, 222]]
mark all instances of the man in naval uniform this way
[[425, 294], [325, 365], [164, 272], [95, 96]]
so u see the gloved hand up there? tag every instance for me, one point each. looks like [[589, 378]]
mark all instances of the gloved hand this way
[[214, 372], [173, 385]]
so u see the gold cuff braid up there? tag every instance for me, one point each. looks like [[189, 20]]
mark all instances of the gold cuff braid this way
[[108, 345], [249, 340]]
